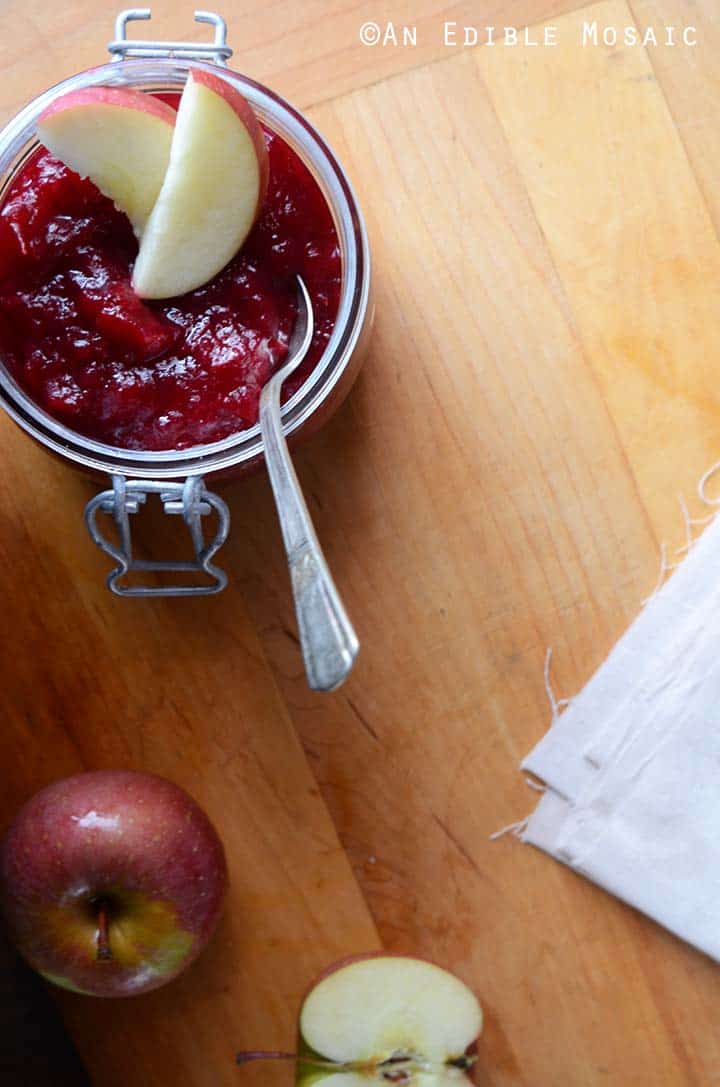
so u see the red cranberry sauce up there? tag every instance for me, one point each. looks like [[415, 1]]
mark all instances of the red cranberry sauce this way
[[166, 375]]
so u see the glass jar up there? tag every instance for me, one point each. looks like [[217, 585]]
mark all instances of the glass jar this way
[[178, 476]]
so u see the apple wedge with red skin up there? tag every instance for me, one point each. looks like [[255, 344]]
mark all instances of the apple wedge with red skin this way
[[387, 1018], [118, 137], [111, 882], [214, 187]]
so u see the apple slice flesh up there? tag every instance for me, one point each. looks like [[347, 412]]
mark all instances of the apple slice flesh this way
[[212, 192], [119, 138], [376, 1007]]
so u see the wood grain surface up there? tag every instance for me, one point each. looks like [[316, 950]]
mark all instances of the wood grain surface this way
[[539, 393]]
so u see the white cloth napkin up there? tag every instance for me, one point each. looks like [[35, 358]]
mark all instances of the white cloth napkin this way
[[632, 767]]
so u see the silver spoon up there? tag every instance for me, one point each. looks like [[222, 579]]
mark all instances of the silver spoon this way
[[329, 643]]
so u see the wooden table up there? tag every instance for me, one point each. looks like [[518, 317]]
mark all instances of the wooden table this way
[[541, 388]]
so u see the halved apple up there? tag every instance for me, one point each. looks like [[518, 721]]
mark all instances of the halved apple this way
[[212, 192], [380, 1018], [382, 1008], [119, 138]]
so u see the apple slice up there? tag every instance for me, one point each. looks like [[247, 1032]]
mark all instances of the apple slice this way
[[212, 192], [119, 138], [383, 1006]]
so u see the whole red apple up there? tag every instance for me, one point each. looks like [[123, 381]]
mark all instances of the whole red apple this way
[[111, 882]]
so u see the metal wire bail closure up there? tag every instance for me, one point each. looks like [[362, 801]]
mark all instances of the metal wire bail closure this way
[[193, 501], [218, 50]]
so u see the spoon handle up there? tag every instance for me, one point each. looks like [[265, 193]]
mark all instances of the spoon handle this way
[[328, 640]]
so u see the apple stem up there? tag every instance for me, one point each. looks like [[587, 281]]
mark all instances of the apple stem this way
[[270, 1055], [104, 952], [263, 1055]]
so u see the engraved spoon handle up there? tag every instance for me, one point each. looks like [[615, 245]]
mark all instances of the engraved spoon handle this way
[[328, 640]]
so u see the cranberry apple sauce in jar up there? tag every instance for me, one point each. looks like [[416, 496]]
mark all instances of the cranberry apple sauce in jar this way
[[133, 345]]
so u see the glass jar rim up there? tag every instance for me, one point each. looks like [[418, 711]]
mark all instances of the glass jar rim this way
[[17, 141]]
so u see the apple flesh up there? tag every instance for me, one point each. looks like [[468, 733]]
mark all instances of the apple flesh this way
[[213, 189], [388, 1019], [335, 1079], [119, 138], [111, 882], [383, 1006]]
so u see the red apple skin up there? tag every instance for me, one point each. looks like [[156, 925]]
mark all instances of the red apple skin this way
[[110, 96], [134, 841], [247, 115]]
